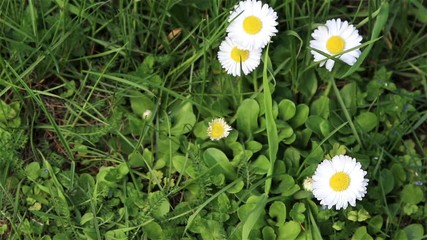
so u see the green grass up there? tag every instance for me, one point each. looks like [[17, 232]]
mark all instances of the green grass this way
[[79, 160]]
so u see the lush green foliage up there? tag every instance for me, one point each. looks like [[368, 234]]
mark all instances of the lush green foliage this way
[[104, 107]]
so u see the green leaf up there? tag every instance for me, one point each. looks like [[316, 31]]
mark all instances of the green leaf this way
[[6, 112], [420, 11], [223, 203], [268, 233], [287, 186], [167, 146], [236, 187], [153, 230], [261, 165], [414, 231], [70, 89], [320, 107], [32, 170], [292, 157], [309, 85], [349, 97], [160, 204], [287, 109], [212, 230], [86, 181], [379, 82], [115, 174], [361, 234], [366, 121], [401, 235], [338, 225], [410, 209], [316, 154], [352, 216], [217, 160], [297, 212], [3, 229], [252, 214], [200, 130], [412, 194], [399, 174], [253, 146], [301, 116], [183, 119], [117, 234], [247, 117], [386, 180], [375, 224], [86, 218], [303, 137], [289, 230], [236, 147], [318, 125], [241, 157], [147, 65], [136, 124], [285, 131], [63, 236], [302, 194], [362, 215], [184, 166], [135, 160], [140, 103], [337, 149], [278, 210]]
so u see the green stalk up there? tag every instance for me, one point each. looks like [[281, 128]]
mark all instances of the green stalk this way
[[344, 109]]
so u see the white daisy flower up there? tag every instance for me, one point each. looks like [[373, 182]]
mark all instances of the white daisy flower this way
[[232, 57], [334, 38], [218, 129], [339, 182], [252, 24]]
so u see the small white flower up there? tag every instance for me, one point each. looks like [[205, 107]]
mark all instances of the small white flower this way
[[252, 24], [233, 58], [147, 114], [339, 182], [333, 39], [218, 129], [308, 184]]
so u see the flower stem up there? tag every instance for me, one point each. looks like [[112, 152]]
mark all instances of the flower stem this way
[[344, 109]]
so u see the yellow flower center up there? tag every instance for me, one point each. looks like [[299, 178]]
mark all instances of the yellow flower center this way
[[335, 44], [339, 181], [217, 130], [239, 55], [252, 25]]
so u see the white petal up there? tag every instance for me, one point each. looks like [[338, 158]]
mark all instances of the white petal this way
[[330, 64]]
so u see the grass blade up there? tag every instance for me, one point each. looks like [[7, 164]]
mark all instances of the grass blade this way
[[273, 143]]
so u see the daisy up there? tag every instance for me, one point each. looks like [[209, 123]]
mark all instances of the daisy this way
[[252, 24], [339, 182], [218, 129], [333, 39], [232, 57]]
